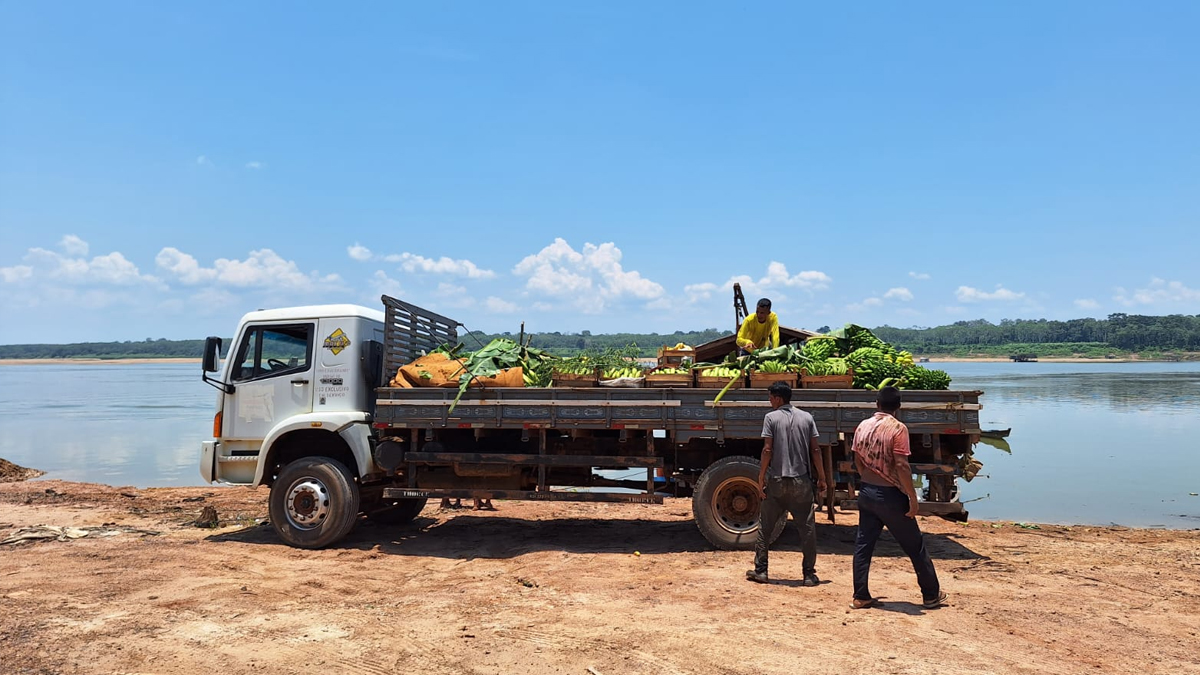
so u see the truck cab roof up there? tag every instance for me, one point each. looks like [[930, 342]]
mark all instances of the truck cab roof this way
[[314, 312]]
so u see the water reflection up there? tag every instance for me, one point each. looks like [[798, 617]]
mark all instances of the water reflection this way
[[1166, 392]]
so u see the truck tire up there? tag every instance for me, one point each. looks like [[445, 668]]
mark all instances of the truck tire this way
[[396, 511], [725, 504], [314, 502]]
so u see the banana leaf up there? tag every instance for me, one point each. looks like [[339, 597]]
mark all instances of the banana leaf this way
[[497, 355]]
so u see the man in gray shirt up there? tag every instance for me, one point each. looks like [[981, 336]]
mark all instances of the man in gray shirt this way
[[791, 455]]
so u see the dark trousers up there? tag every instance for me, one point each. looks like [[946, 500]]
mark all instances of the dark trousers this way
[[787, 495], [880, 506]]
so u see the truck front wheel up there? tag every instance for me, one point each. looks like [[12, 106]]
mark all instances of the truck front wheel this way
[[725, 504], [314, 502]]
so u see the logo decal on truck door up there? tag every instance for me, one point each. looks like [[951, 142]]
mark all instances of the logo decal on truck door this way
[[336, 342]]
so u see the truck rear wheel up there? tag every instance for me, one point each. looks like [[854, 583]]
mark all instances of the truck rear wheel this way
[[725, 504], [396, 511], [314, 502]]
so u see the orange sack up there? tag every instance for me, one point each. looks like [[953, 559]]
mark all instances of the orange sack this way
[[433, 370], [439, 370], [509, 377]]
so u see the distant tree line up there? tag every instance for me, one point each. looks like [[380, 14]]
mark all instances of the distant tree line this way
[[148, 349], [1093, 337], [1123, 332]]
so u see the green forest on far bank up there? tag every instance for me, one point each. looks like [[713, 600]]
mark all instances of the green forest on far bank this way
[[1152, 337]]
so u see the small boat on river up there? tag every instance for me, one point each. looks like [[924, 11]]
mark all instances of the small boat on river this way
[[995, 433]]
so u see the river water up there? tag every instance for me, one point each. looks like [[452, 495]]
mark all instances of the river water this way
[[1096, 443]]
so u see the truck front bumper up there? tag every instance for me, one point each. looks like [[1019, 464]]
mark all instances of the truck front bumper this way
[[208, 460]]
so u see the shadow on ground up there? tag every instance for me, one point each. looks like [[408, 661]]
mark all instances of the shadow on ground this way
[[468, 536]]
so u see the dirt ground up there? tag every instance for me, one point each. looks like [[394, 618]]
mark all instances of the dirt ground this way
[[539, 588]]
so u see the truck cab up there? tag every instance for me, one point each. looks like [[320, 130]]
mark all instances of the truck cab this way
[[296, 382]]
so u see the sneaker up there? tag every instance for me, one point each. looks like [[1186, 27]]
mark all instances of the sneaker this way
[[758, 577], [810, 579]]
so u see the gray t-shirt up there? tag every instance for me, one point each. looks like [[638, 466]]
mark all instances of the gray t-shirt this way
[[793, 431]]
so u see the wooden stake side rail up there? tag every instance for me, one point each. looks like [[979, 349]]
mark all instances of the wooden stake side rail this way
[[684, 413]]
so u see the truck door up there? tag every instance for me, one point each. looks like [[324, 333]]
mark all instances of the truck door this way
[[272, 375]]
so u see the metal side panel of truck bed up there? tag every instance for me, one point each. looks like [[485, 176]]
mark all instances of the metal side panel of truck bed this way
[[683, 413]]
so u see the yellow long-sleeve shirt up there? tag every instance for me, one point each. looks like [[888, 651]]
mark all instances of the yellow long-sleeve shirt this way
[[754, 332]]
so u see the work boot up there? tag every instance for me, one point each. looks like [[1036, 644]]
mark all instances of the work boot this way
[[757, 577], [810, 579]]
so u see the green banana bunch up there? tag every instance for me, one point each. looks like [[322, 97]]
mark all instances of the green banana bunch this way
[[772, 367], [672, 371], [861, 337], [886, 382], [720, 371], [820, 348], [918, 377], [627, 371], [834, 366]]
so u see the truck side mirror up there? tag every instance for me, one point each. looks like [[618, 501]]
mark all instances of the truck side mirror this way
[[212, 353]]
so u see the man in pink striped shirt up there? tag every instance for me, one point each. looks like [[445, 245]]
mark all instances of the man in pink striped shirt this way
[[888, 498]]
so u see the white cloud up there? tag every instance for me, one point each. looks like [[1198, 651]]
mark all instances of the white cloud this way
[[359, 253], [700, 292], [112, 268], [868, 303], [72, 245], [497, 306], [382, 284], [955, 310], [777, 275], [444, 289], [183, 266], [12, 275], [1087, 303], [256, 165], [778, 278], [898, 293], [968, 294], [413, 263], [919, 275], [591, 278], [1158, 292], [261, 269]]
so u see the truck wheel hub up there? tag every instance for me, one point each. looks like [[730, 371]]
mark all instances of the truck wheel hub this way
[[735, 503], [307, 503]]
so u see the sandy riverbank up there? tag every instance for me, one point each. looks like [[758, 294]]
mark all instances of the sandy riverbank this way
[[540, 588]]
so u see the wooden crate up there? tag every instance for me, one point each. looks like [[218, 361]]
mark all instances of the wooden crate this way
[[669, 356], [654, 379], [715, 382], [826, 381], [573, 380], [764, 380]]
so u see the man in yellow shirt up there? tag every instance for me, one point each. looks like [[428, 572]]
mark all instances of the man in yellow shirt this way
[[760, 329]]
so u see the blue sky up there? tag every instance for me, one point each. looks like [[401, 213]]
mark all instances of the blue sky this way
[[166, 167]]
